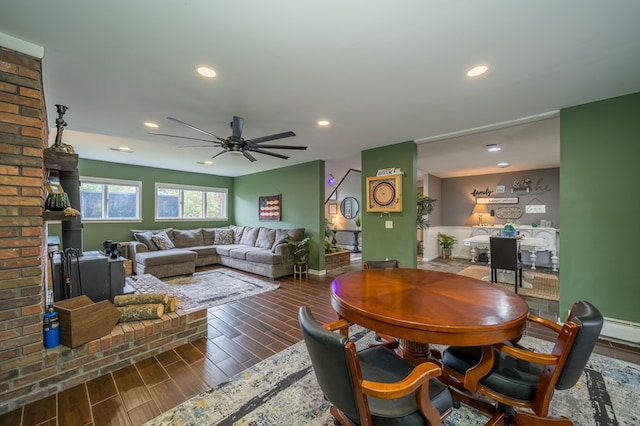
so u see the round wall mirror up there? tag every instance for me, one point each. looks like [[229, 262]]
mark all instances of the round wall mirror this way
[[349, 208]]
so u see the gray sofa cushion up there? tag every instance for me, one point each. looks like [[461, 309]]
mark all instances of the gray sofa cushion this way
[[249, 236], [204, 250], [266, 238], [240, 252], [188, 238], [163, 257], [237, 233], [225, 250], [145, 238], [209, 235], [264, 256], [223, 236]]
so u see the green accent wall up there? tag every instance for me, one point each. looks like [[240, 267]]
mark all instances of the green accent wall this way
[[599, 146], [93, 234], [400, 242], [302, 190]]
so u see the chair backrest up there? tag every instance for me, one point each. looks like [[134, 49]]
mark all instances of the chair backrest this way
[[590, 321], [504, 253], [380, 264], [330, 364]]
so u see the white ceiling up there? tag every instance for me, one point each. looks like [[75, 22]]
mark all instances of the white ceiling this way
[[381, 72]]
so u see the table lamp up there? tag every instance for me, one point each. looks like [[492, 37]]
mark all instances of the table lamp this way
[[480, 209]]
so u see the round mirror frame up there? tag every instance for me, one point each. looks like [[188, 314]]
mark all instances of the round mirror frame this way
[[349, 207]]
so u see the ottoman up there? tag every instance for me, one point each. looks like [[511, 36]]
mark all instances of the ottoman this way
[[166, 263]]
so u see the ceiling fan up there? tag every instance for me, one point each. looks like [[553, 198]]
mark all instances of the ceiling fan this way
[[235, 143]]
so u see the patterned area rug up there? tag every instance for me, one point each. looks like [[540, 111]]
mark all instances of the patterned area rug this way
[[208, 288], [282, 390], [534, 284]]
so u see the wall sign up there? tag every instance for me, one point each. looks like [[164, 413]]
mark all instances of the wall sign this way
[[497, 200], [384, 193], [269, 208]]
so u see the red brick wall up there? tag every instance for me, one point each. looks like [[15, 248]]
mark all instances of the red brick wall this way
[[23, 132], [28, 372]]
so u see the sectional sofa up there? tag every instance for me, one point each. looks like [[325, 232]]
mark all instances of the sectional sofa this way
[[170, 252]]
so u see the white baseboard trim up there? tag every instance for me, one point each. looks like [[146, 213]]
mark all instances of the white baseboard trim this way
[[318, 273], [620, 330]]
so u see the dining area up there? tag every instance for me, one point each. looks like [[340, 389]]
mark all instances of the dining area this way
[[442, 340]]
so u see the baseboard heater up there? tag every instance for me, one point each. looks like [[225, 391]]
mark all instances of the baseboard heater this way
[[625, 331]]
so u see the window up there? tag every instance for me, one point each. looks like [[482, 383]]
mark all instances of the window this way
[[109, 199], [190, 202]]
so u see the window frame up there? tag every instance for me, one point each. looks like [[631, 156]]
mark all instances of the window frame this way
[[106, 182], [192, 188]]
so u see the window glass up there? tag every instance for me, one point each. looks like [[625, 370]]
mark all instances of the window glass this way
[[109, 199], [190, 202]]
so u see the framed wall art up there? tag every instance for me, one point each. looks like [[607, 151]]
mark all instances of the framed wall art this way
[[384, 193], [269, 208]]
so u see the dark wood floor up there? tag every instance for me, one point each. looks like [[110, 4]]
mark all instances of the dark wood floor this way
[[240, 334]]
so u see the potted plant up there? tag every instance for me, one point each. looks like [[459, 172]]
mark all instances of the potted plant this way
[[425, 208], [358, 222], [300, 249], [446, 242]]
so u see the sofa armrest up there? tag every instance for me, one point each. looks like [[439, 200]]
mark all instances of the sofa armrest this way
[[284, 250], [136, 247]]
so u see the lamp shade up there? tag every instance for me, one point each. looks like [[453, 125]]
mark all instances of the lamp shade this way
[[480, 209]]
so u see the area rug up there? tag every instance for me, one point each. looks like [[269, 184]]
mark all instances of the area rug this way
[[207, 288], [282, 390], [535, 284]]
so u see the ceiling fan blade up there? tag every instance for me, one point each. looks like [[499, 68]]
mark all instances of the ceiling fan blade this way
[[273, 154], [304, 148], [224, 151], [271, 137], [194, 128], [185, 137], [236, 127], [248, 156], [196, 146]]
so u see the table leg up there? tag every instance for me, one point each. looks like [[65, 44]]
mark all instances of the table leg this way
[[554, 261], [533, 259], [414, 352], [473, 254], [355, 243]]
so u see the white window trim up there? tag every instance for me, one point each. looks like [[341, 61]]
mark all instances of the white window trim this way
[[181, 187], [122, 182]]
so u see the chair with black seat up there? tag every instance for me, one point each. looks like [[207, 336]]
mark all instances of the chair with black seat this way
[[380, 264], [505, 254], [391, 342], [374, 386], [513, 377]]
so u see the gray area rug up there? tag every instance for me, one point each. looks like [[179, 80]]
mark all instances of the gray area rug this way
[[282, 390], [208, 288]]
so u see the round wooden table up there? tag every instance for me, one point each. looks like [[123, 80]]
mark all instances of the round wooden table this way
[[421, 307]]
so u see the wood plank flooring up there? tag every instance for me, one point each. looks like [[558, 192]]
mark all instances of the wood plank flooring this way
[[240, 334]]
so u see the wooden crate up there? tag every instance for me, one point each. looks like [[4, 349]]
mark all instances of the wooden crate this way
[[81, 320]]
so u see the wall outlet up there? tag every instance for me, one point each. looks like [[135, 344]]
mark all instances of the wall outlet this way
[[388, 224]]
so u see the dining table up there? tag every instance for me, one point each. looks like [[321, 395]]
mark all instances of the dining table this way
[[422, 307]]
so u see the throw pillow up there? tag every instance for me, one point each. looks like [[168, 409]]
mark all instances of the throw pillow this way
[[249, 236], [223, 236], [163, 241], [209, 235], [237, 233], [266, 237], [145, 237], [280, 239]]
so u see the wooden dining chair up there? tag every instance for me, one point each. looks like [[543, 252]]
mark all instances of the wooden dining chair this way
[[511, 378], [505, 254], [374, 386]]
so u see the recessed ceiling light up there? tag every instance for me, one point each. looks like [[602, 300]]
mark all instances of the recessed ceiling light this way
[[207, 162], [323, 123], [150, 124], [493, 147], [206, 72], [503, 164], [477, 71]]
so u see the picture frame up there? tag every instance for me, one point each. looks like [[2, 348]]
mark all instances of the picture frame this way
[[384, 193], [269, 207], [333, 208]]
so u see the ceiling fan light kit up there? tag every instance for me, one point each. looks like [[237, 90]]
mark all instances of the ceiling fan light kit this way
[[236, 144]]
